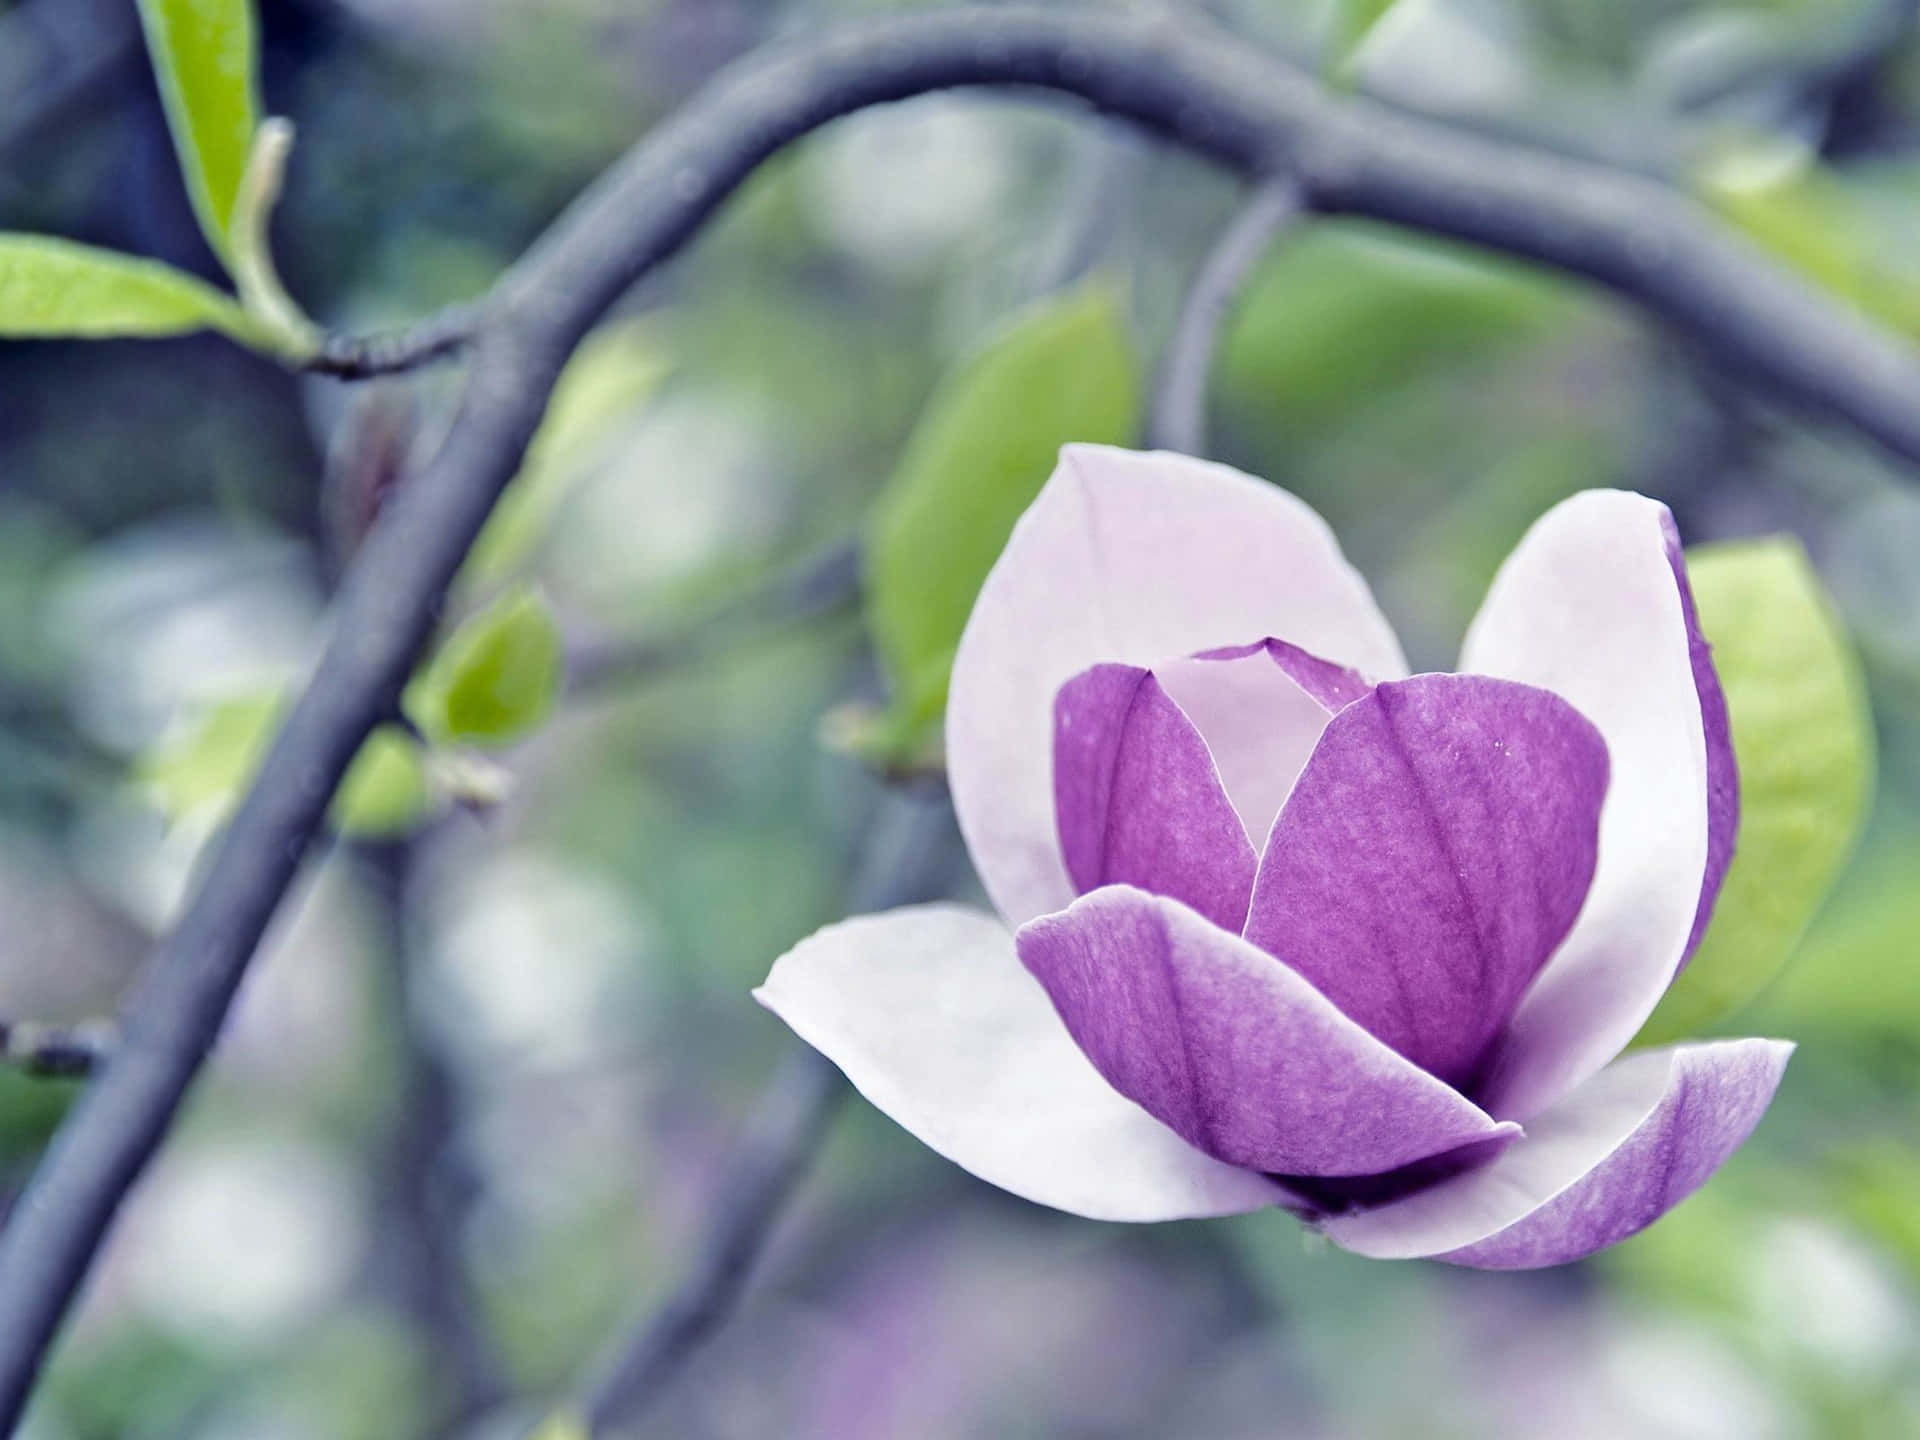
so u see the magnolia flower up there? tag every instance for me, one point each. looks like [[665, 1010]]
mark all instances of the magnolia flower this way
[[1281, 925]]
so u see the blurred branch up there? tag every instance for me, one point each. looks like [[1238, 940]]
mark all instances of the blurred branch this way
[[64, 1052], [1179, 414], [824, 585], [417, 1260], [1174, 76], [907, 858]]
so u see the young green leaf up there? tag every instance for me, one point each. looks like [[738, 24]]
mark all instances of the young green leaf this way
[[982, 450], [202, 766], [496, 678], [55, 289], [1803, 738], [385, 791], [205, 58], [201, 769]]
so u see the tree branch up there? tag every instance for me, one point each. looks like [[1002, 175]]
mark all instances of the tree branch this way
[[907, 859], [1179, 417], [1172, 76]]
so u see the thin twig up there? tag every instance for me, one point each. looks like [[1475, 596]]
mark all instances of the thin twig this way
[[823, 585], [65, 1052], [1179, 417], [908, 858], [363, 357], [1173, 76]]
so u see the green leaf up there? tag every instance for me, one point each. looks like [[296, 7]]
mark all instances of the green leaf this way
[[205, 58], [1346, 312], [979, 455], [1352, 21], [496, 678], [611, 375], [203, 767], [55, 289], [1810, 218], [1803, 738], [385, 792]]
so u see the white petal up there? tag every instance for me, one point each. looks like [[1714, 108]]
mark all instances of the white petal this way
[[931, 1016], [1589, 606], [1130, 558]]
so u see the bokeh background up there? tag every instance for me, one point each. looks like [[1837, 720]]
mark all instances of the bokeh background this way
[[476, 1103]]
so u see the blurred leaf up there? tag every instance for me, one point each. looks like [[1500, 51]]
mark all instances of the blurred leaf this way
[[1804, 742], [1809, 218], [205, 58], [385, 791], [205, 766], [1857, 973], [1344, 312], [1352, 22], [562, 1425], [497, 676], [55, 289], [980, 453], [614, 373]]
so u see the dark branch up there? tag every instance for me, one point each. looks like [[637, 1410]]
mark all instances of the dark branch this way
[[1170, 75], [824, 585], [907, 858], [1179, 417], [62, 1052]]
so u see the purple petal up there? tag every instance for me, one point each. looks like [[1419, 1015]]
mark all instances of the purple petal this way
[[933, 1020], [1436, 850], [1138, 800], [1232, 1049], [1129, 559], [1586, 606], [1261, 709], [1604, 1163], [1723, 775]]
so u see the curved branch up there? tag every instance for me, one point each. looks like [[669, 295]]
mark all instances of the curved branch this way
[[1170, 75], [1179, 417]]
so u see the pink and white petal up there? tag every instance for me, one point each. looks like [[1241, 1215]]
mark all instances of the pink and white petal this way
[[1233, 1049], [1261, 709], [1129, 558], [1603, 1164], [1588, 606], [930, 1015]]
